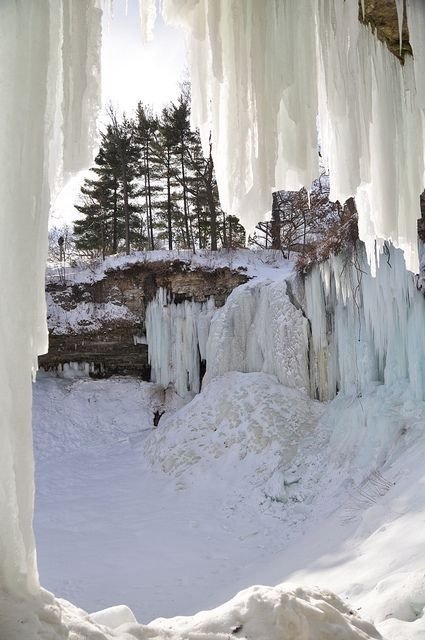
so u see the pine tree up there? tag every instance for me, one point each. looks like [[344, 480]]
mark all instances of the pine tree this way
[[146, 129], [109, 201], [122, 135]]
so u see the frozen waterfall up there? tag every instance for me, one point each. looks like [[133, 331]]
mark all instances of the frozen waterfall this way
[[261, 74], [177, 336], [259, 329], [365, 330]]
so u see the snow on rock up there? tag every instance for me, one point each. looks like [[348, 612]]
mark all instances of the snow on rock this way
[[259, 329], [365, 330], [261, 261], [273, 613], [249, 418], [85, 317], [261, 72], [176, 335]]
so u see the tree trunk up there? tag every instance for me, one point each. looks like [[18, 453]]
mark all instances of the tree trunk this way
[[126, 208], [276, 224], [169, 212], [149, 196], [115, 224], [185, 206]]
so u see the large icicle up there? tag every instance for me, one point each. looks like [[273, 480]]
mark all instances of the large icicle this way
[[416, 21], [147, 10], [262, 71], [177, 335], [38, 102], [365, 330]]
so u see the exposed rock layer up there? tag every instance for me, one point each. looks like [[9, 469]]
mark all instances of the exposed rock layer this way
[[116, 346]]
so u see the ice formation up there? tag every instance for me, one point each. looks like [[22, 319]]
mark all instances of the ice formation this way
[[416, 22], [259, 329], [243, 416], [176, 335], [262, 73], [49, 86], [365, 330]]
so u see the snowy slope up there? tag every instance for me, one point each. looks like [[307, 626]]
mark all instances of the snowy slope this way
[[268, 487]]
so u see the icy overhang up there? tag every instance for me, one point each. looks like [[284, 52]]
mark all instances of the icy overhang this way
[[267, 76]]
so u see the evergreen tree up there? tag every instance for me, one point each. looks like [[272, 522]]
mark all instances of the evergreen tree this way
[[146, 129], [109, 201]]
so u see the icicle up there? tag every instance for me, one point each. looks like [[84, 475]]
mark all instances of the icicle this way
[[261, 72], [400, 17], [48, 90], [176, 335], [147, 11], [365, 347], [415, 10]]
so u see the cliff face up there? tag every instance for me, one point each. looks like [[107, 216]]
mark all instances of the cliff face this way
[[381, 15], [103, 322]]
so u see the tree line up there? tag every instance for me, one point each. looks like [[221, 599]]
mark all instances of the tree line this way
[[152, 186]]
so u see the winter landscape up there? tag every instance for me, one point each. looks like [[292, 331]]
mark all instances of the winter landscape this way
[[213, 356]]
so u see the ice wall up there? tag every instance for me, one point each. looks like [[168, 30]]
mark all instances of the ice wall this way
[[48, 88], [176, 335], [259, 329], [365, 330], [261, 74]]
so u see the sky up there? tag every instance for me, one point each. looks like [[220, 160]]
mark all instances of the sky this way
[[132, 71]]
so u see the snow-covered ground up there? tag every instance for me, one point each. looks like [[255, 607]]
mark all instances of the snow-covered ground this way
[[252, 262], [250, 483]]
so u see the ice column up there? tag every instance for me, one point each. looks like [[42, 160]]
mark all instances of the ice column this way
[[261, 74], [177, 335], [48, 87], [365, 330]]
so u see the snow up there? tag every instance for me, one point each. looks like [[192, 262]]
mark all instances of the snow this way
[[252, 262], [252, 482], [184, 515], [84, 317], [268, 613], [260, 75], [106, 535]]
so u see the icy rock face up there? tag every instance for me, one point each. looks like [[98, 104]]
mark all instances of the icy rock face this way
[[177, 335], [365, 330], [262, 72], [48, 87], [259, 329]]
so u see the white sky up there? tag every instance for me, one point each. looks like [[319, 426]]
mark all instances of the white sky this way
[[131, 71]]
